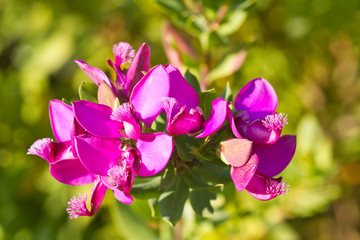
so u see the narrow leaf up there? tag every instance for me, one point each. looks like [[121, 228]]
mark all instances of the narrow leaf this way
[[192, 80], [171, 202], [200, 201], [227, 94], [206, 98], [148, 189]]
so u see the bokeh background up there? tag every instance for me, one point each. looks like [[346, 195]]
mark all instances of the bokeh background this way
[[308, 50]]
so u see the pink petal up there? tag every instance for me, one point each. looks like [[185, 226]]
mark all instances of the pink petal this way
[[41, 148], [186, 122], [126, 114], [71, 171], [98, 154], [232, 124], [148, 93], [241, 176], [181, 90], [123, 197], [265, 188], [236, 152], [155, 150], [95, 118], [258, 98], [258, 133], [97, 195], [216, 119], [61, 117], [96, 75], [139, 64], [67, 168], [274, 158]]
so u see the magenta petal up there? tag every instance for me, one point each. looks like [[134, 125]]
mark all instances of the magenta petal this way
[[258, 98], [148, 94], [98, 154], [123, 197], [95, 118], [60, 151], [126, 114], [274, 158], [241, 176], [155, 150], [181, 90], [61, 117], [41, 148], [258, 187], [232, 124], [216, 119], [97, 195], [186, 122], [71, 171], [139, 64], [96, 75], [258, 133]]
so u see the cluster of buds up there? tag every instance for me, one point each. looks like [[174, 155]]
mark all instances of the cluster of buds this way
[[113, 139]]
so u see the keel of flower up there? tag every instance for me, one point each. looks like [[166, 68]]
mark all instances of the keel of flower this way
[[77, 207], [276, 188]]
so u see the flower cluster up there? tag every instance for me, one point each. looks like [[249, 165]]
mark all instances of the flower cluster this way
[[110, 141]]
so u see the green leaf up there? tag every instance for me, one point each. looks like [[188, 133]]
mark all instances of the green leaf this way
[[175, 6], [200, 201], [88, 91], [206, 98], [160, 122], [227, 94], [192, 80], [172, 200], [183, 150], [147, 189], [229, 65], [195, 181], [167, 177], [233, 22]]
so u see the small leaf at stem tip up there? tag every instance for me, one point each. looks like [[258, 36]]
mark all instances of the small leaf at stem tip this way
[[192, 80], [206, 98], [227, 94], [87, 91]]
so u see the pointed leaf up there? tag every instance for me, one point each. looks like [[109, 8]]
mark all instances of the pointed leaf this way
[[206, 98], [172, 201], [227, 94], [192, 80], [200, 201]]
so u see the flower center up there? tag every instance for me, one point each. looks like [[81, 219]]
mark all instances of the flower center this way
[[276, 188], [275, 121], [77, 207], [118, 176]]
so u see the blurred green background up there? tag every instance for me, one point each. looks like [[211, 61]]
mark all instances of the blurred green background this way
[[308, 50]]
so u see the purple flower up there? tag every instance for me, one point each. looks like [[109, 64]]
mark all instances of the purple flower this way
[[256, 118], [184, 116], [64, 164], [100, 150], [125, 83], [254, 166]]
